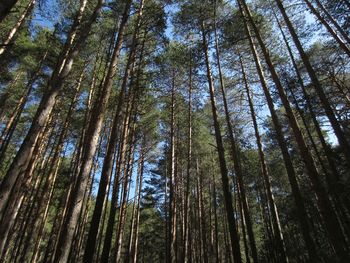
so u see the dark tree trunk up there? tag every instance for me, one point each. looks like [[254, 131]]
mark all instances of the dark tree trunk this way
[[221, 153]]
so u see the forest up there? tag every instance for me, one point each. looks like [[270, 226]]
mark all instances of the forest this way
[[175, 131]]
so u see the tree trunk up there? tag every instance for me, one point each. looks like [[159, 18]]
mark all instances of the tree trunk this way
[[273, 209], [236, 159], [331, 222], [116, 187], [63, 67], [343, 142], [221, 153], [13, 121], [91, 140], [108, 161], [186, 242]]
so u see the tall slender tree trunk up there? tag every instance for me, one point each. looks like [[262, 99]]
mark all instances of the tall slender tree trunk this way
[[326, 148], [333, 21], [116, 188], [135, 237], [22, 189], [124, 201], [108, 161], [92, 135], [172, 177], [186, 242], [221, 153], [236, 159], [202, 215], [216, 225], [13, 121], [272, 205]]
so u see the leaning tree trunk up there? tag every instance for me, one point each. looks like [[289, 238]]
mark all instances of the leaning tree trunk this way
[[90, 142], [108, 161], [343, 140], [13, 121], [326, 210], [75, 40], [301, 210]]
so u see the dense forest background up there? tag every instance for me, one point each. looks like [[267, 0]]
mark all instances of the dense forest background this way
[[175, 131]]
